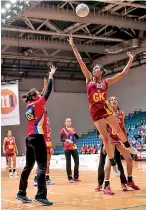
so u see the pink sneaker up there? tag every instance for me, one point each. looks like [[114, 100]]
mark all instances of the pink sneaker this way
[[124, 187], [71, 181], [108, 191], [76, 180], [133, 186], [98, 187]]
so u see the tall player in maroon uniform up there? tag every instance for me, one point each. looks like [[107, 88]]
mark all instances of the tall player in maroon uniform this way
[[115, 141], [100, 111], [35, 143], [10, 150]]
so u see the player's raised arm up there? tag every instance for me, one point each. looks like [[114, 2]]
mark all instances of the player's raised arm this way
[[119, 76], [45, 85], [83, 66]]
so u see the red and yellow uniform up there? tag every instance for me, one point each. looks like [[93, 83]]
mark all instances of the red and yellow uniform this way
[[112, 135], [37, 118], [10, 146], [68, 134], [97, 97], [48, 139]]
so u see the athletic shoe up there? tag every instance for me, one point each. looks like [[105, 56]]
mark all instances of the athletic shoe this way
[[71, 181], [116, 171], [15, 173], [45, 202], [76, 180], [98, 187], [24, 199], [35, 183], [133, 186], [132, 150], [49, 182], [124, 187], [108, 191], [10, 174]]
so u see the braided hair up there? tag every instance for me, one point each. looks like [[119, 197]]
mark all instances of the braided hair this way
[[29, 95]]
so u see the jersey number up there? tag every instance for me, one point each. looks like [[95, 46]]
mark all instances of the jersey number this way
[[29, 114], [11, 147]]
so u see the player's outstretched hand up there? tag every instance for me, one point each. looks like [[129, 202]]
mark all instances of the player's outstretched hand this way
[[130, 55]]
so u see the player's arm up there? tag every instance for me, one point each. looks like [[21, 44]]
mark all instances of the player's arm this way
[[75, 133], [4, 146], [119, 76], [48, 91], [83, 66], [45, 86], [16, 149]]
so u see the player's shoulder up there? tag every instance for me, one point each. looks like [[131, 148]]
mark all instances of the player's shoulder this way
[[62, 131], [6, 138]]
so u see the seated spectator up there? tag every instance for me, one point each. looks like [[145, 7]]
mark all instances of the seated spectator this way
[[95, 149], [134, 142], [143, 138], [91, 149], [140, 145], [88, 150], [83, 149]]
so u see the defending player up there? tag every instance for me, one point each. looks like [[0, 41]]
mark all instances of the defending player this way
[[50, 150], [115, 141]]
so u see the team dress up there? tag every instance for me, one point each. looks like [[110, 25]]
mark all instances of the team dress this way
[[47, 138], [10, 146], [98, 105], [112, 135], [37, 117], [68, 134]]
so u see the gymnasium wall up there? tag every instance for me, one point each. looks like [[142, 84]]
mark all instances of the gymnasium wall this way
[[131, 91]]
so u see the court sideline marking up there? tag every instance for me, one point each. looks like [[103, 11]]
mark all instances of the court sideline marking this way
[[130, 207]]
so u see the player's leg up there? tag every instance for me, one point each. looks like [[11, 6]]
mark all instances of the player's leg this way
[[14, 165], [35, 178], [30, 161], [125, 153], [121, 169], [113, 123], [10, 166], [6, 162], [48, 180], [107, 189], [68, 165], [102, 128], [75, 156], [101, 169]]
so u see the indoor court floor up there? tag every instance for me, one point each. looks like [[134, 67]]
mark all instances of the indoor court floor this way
[[78, 196]]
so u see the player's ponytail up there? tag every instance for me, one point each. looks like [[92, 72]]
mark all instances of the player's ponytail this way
[[29, 95]]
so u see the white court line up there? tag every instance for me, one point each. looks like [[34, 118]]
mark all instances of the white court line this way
[[12, 209], [17, 202], [94, 199]]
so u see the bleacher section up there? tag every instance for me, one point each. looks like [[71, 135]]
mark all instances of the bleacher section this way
[[132, 122]]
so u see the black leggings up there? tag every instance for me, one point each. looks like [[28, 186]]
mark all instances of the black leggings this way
[[35, 151], [102, 164], [75, 156]]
